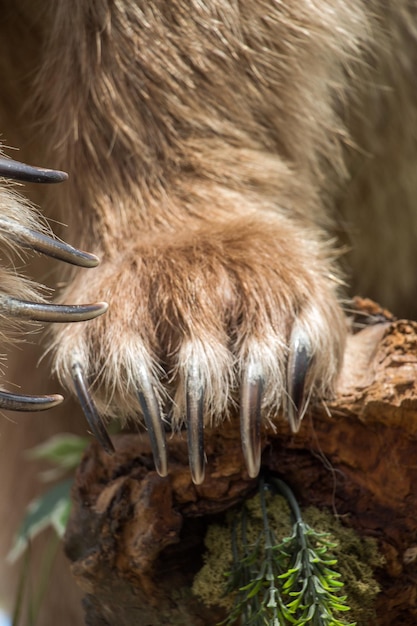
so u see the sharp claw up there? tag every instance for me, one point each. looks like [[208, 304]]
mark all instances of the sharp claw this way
[[16, 170], [47, 245], [40, 312], [299, 362], [153, 421], [250, 419], [90, 411], [18, 402], [195, 425]]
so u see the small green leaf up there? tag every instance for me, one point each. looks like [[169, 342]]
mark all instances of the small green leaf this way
[[50, 509], [63, 450], [255, 589]]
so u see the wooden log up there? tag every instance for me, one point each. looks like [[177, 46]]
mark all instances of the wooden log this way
[[136, 540]]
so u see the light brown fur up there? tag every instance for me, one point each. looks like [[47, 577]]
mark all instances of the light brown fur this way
[[216, 150]]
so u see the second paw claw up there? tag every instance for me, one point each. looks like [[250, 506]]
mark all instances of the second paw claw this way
[[20, 402], [15, 170], [42, 312], [45, 244]]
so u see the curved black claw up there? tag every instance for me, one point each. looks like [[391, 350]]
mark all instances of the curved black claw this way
[[153, 421], [48, 245], [19, 402], [195, 425], [40, 312], [250, 418], [298, 368], [16, 170], [90, 411]]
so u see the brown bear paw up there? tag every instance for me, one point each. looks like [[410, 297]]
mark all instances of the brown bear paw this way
[[239, 313]]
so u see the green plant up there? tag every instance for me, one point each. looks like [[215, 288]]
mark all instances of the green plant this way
[[51, 509], [288, 582]]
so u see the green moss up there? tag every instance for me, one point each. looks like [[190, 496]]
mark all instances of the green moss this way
[[210, 582], [357, 558]]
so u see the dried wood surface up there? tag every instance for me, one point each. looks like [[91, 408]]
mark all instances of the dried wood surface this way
[[136, 540]]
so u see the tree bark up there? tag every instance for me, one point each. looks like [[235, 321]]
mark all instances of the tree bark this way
[[136, 540]]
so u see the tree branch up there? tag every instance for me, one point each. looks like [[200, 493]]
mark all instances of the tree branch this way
[[136, 540]]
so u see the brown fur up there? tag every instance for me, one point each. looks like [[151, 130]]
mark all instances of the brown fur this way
[[215, 151]]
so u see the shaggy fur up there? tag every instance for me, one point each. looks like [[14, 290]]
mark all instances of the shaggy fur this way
[[220, 117], [216, 151]]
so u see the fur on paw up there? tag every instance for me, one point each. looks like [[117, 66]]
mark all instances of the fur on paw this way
[[242, 312]]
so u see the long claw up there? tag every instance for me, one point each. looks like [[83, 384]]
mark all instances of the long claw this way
[[16, 170], [153, 421], [298, 367], [47, 245], [250, 418], [19, 402], [90, 411], [40, 312], [195, 425]]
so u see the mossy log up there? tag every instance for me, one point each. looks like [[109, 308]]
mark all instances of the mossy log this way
[[136, 540]]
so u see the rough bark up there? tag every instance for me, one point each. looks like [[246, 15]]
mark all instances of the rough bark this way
[[136, 540]]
